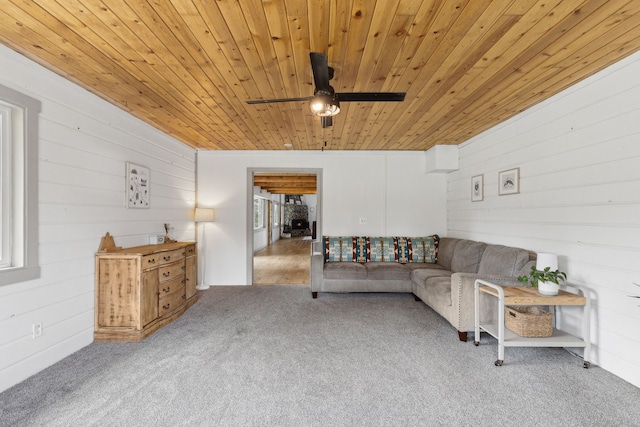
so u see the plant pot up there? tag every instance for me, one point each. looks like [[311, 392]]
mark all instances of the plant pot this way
[[548, 288]]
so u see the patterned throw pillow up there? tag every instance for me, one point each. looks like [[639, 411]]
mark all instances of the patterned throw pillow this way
[[383, 249], [380, 249], [404, 251], [421, 249], [338, 249], [362, 249]]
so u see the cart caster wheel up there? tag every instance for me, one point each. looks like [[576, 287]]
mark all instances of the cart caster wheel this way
[[498, 362], [476, 343], [586, 365]]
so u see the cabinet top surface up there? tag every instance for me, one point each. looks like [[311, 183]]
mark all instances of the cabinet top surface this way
[[147, 249], [525, 295]]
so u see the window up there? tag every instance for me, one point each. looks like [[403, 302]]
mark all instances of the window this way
[[6, 186], [258, 212], [18, 187], [276, 214]]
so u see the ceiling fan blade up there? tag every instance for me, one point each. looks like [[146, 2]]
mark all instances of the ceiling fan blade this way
[[269, 101], [371, 96], [324, 94], [320, 68]]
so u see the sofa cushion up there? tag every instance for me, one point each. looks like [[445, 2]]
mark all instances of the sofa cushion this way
[[424, 265], [345, 270], [439, 291], [446, 248], [435, 292], [466, 256], [498, 260], [387, 271], [422, 275]]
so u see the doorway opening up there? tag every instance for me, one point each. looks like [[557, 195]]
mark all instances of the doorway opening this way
[[285, 207]]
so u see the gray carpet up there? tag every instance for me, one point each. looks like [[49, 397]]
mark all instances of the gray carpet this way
[[251, 356]]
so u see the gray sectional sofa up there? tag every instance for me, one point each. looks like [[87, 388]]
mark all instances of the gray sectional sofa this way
[[443, 278]]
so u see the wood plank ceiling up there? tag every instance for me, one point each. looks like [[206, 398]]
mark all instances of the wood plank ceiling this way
[[188, 66]]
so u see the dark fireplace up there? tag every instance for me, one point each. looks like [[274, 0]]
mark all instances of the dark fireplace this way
[[299, 224]]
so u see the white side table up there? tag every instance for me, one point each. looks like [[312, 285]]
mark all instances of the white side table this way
[[521, 295]]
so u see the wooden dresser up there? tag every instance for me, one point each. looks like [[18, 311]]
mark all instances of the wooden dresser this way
[[143, 288]]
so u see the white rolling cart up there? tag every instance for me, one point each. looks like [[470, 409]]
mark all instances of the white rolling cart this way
[[521, 295]]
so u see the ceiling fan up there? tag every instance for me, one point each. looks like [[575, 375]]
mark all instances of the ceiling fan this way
[[325, 102]]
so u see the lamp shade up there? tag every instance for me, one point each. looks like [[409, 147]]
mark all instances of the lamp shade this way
[[204, 215], [547, 260]]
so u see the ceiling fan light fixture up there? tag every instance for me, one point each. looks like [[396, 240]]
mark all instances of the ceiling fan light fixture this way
[[323, 105], [325, 102]]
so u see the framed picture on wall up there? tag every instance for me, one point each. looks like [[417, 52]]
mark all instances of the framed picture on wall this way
[[477, 188], [137, 186], [509, 182]]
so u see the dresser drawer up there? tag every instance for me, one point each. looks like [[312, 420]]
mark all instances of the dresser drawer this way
[[150, 261], [171, 302], [170, 256], [190, 250], [171, 286], [171, 271]]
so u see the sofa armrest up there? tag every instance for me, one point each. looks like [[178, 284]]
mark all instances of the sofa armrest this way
[[317, 271], [462, 298]]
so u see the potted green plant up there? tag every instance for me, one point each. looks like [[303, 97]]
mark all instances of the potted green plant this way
[[547, 281]]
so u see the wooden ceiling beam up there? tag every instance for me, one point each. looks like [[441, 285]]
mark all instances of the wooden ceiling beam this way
[[280, 179], [292, 191], [286, 183]]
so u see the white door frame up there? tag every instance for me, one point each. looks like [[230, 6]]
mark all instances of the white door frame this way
[[250, 174]]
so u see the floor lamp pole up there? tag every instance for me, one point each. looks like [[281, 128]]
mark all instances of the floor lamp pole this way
[[201, 217], [201, 286]]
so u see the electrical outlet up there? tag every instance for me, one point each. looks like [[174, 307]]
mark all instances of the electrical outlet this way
[[363, 220], [36, 329]]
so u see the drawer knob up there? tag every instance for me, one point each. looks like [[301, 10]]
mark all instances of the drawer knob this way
[[166, 290], [167, 258], [151, 261], [166, 274], [166, 306]]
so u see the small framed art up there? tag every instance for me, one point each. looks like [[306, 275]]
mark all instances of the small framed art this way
[[509, 182], [477, 188], [137, 186]]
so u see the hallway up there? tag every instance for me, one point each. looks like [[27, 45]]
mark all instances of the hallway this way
[[286, 262]]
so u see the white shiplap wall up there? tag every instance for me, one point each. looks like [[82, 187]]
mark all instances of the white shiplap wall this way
[[390, 189], [84, 146], [579, 160]]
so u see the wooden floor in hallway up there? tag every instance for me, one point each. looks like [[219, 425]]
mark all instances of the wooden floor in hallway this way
[[286, 262]]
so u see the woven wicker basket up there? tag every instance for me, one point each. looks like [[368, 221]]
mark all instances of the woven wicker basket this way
[[528, 321]]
